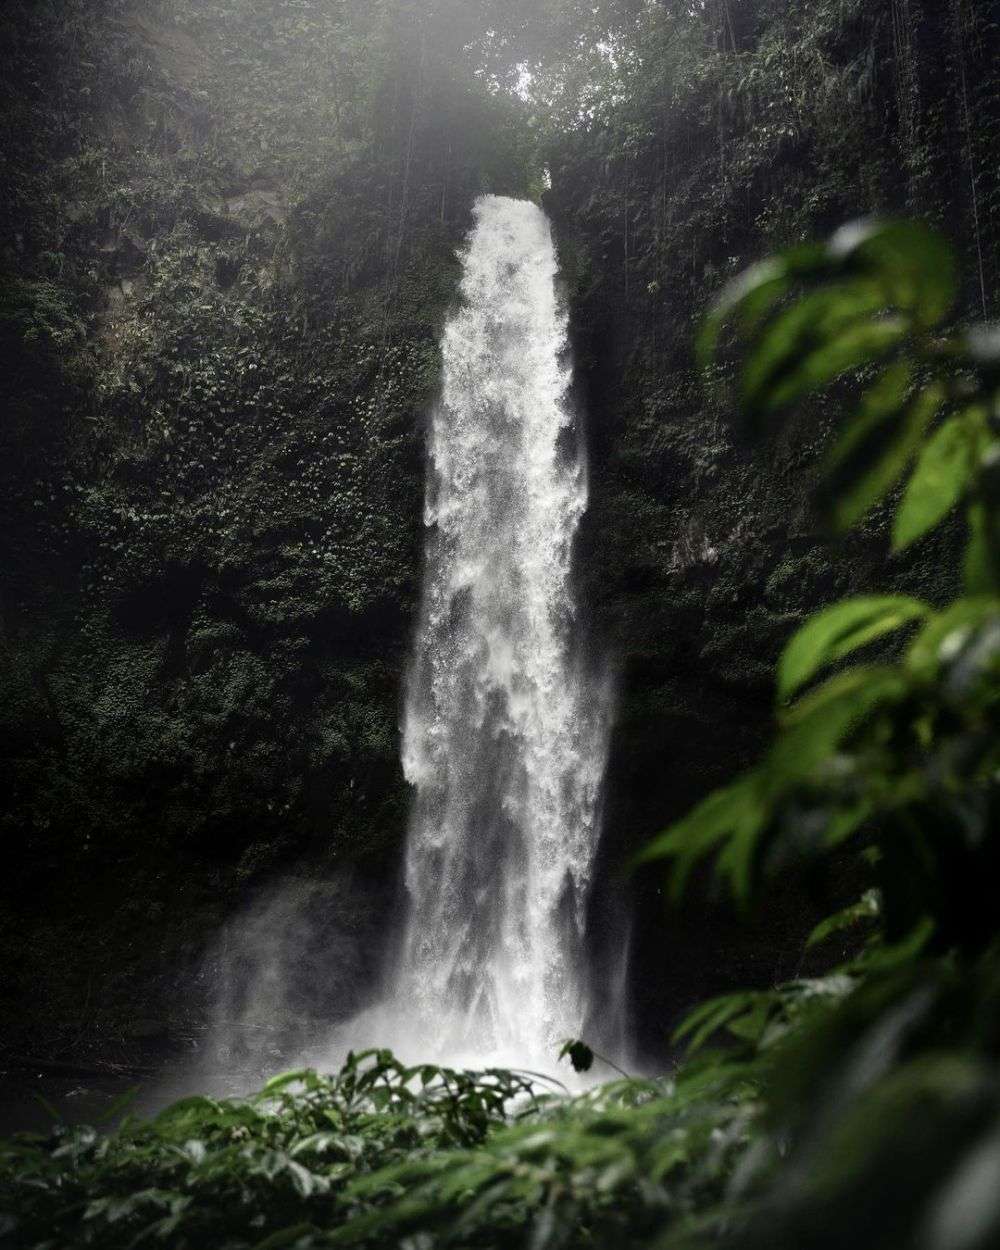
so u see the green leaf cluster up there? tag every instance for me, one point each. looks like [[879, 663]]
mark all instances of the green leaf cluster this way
[[881, 1078], [380, 1155], [872, 304], [899, 757]]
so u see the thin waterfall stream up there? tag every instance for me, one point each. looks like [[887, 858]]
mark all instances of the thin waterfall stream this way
[[505, 722], [504, 732]]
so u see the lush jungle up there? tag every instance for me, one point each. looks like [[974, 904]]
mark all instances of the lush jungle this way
[[228, 237]]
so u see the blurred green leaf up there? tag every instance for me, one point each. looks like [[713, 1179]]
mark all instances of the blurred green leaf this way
[[839, 630], [960, 618], [915, 264], [284, 1079], [812, 732], [943, 473], [842, 823], [872, 457], [755, 290], [817, 337], [739, 807], [751, 295], [982, 555], [708, 1017], [865, 909], [816, 726], [848, 349]]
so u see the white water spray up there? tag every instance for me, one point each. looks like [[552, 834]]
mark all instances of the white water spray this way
[[504, 735]]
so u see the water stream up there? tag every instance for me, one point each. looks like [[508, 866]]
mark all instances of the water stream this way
[[504, 733]]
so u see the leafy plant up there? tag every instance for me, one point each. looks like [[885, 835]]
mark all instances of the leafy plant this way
[[247, 1172], [898, 757], [383, 1155], [878, 1080]]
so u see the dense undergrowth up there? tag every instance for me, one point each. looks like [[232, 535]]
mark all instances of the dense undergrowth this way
[[862, 1107], [381, 1155]]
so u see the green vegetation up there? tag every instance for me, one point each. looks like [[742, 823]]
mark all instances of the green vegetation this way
[[227, 235], [382, 1155], [859, 1107], [722, 133]]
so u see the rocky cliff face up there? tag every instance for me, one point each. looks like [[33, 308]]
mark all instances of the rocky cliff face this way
[[227, 245], [705, 549], [224, 288]]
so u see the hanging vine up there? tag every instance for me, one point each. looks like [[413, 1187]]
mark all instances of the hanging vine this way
[[958, 14]]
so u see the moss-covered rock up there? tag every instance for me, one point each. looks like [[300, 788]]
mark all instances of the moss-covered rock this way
[[225, 282]]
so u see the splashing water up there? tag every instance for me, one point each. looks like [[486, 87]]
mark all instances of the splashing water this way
[[504, 734], [504, 737]]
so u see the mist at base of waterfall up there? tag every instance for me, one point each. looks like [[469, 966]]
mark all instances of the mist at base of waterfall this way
[[303, 956]]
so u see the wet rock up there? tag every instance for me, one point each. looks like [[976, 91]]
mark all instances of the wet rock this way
[[123, 251], [148, 1031], [258, 206]]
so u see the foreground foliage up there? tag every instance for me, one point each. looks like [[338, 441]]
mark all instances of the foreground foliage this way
[[882, 1112], [377, 1154], [863, 1107]]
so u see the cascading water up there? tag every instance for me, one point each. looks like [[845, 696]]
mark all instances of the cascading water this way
[[504, 733]]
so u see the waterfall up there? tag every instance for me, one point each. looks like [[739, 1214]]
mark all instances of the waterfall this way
[[504, 732], [505, 725]]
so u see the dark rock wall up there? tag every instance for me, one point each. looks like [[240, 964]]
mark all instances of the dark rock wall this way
[[704, 547], [226, 247]]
